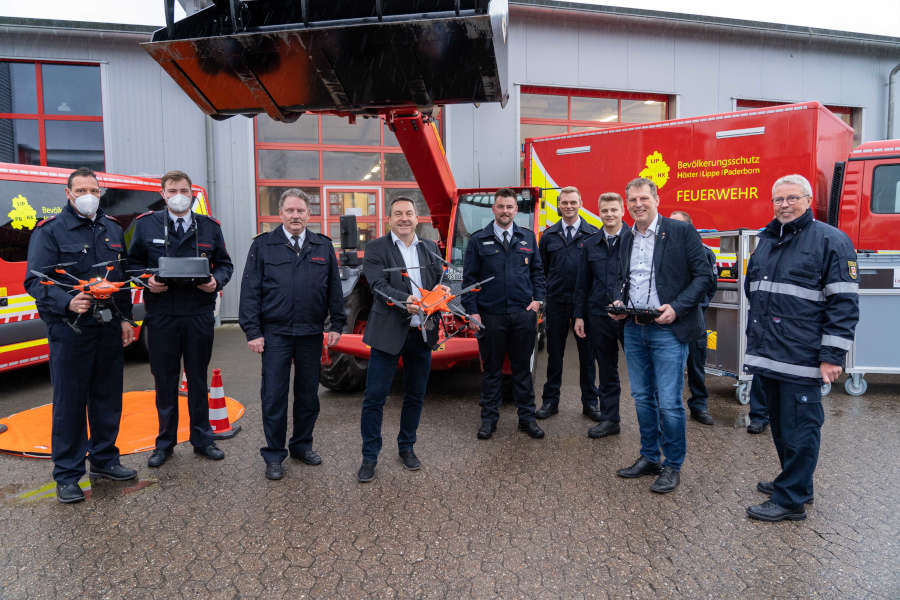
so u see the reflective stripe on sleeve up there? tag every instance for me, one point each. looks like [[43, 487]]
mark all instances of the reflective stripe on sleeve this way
[[782, 367], [837, 342], [841, 287], [787, 289]]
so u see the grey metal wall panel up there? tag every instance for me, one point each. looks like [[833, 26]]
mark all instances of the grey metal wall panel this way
[[605, 56]]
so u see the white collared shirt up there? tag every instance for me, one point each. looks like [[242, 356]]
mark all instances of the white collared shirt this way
[[301, 235], [410, 256], [642, 281], [498, 231], [186, 219]]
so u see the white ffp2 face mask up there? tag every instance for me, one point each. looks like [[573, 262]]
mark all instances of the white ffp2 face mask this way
[[178, 203], [87, 204]]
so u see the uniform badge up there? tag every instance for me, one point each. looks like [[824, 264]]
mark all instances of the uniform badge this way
[[851, 266]]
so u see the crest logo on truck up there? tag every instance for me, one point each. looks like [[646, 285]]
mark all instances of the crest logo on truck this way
[[656, 169], [22, 215]]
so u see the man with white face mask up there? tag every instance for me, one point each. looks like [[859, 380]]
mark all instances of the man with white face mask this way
[[180, 319], [85, 360]]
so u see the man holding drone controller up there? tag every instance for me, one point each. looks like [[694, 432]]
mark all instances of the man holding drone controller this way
[[85, 347]]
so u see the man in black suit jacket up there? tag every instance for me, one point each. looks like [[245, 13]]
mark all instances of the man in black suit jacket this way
[[665, 268], [393, 332]]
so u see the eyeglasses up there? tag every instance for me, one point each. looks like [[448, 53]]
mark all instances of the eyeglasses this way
[[788, 199]]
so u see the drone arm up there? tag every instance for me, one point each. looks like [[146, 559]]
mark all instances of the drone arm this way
[[375, 262], [43, 250]]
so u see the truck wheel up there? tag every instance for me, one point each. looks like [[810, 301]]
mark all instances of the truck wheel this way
[[347, 373], [856, 385]]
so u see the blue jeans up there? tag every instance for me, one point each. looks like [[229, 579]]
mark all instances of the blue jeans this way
[[656, 361], [416, 366]]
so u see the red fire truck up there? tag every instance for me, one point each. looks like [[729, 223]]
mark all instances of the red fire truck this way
[[720, 169], [29, 194]]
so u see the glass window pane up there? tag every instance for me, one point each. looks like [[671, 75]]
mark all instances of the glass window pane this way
[[367, 232], [304, 130], [389, 138], [19, 141], [288, 164], [361, 204], [314, 226], [886, 189], [426, 231], [266, 226], [396, 168], [71, 89], [643, 111], [527, 130], [269, 196], [605, 110], [351, 166], [73, 144], [18, 89], [543, 106], [337, 130], [413, 194], [576, 129]]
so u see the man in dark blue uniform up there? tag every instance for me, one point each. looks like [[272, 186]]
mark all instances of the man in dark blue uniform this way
[[180, 318], [804, 306], [291, 284], [86, 356], [696, 362], [560, 255], [599, 272], [507, 306]]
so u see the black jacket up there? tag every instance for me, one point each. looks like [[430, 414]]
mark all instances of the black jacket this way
[[203, 238], [518, 275], [804, 305], [287, 292], [599, 274], [560, 260], [682, 275], [71, 238], [388, 326]]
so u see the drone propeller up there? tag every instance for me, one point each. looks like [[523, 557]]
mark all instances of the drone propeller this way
[[106, 262], [474, 287], [391, 301]]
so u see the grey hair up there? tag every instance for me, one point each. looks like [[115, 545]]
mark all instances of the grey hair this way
[[640, 182], [794, 179], [293, 193]]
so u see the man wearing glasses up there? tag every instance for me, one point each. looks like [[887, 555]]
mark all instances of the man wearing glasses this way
[[802, 286]]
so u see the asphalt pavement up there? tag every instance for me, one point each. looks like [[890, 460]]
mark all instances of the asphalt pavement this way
[[509, 517]]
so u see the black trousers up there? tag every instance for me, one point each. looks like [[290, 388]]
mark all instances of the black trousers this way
[[511, 334], [796, 414], [305, 351], [605, 336], [86, 372], [559, 320], [174, 338], [696, 374], [758, 410]]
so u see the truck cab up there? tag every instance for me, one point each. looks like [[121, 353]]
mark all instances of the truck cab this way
[[869, 205]]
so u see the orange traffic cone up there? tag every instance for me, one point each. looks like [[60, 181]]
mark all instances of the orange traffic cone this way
[[182, 387], [218, 412]]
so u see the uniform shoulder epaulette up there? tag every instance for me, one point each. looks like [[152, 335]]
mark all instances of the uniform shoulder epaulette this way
[[142, 215], [260, 234], [324, 236], [111, 218], [213, 219], [45, 220]]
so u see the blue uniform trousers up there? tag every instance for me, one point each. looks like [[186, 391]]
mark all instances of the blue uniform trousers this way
[[696, 374], [559, 321], [86, 372], [503, 335], [758, 410]]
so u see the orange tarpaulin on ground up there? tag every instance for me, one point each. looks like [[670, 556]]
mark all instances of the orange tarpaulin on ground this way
[[28, 432]]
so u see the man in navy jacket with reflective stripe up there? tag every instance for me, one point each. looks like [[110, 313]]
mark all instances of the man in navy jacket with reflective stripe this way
[[291, 284], [802, 286]]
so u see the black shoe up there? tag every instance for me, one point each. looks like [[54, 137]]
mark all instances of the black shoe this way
[[768, 488], [701, 415], [410, 460], [366, 472], [757, 426], [593, 413], [532, 429], [666, 482], [274, 471], [68, 493], [115, 472], [211, 452], [603, 429], [547, 410], [642, 466], [769, 511], [486, 430], [310, 457], [158, 458]]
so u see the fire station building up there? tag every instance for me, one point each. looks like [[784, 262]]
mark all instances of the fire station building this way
[[80, 93]]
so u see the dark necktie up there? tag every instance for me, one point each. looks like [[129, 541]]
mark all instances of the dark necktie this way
[[611, 240], [179, 226], [296, 243], [570, 233], [506, 240]]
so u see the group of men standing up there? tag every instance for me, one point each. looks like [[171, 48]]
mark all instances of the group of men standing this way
[[801, 281]]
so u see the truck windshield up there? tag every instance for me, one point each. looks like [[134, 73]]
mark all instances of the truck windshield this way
[[474, 213]]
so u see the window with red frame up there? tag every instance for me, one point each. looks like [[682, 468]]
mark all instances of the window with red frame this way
[[549, 111], [51, 114], [847, 114]]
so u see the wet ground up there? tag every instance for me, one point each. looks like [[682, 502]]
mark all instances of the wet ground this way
[[510, 517]]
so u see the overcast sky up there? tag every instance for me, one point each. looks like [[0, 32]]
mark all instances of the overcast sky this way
[[867, 16]]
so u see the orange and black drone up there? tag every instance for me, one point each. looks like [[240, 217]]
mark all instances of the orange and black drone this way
[[100, 289], [437, 301]]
